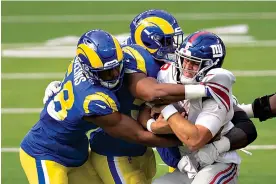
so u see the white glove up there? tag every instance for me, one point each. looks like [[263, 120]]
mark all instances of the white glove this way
[[210, 152], [51, 89], [188, 165], [206, 155]]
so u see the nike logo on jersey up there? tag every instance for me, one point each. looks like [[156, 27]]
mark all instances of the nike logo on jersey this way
[[101, 106]]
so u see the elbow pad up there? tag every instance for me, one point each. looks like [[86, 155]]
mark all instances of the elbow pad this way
[[261, 108]]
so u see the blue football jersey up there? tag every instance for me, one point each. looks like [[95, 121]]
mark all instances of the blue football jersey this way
[[137, 60], [60, 133]]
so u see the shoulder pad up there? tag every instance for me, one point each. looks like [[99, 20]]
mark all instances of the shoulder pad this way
[[219, 82], [138, 59], [167, 74], [220, 76], [100, 103]]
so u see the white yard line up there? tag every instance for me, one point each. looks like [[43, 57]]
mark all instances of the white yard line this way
[[20, 110], [129, 17], [250, 147], [36, 76]]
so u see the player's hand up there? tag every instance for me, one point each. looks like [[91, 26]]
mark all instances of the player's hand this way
[[161, 126], [51, 89], [206, 155], [210, 152], [161, 119], [160, 122], [188, 165]]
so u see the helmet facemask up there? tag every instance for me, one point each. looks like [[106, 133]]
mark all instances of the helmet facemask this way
[[167, 45], [98, 75], [112, 84], [204, 65]]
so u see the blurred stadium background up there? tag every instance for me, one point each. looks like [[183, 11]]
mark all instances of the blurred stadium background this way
[[38, 40]]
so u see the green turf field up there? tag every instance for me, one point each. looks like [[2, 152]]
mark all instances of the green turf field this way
[[25, 23]]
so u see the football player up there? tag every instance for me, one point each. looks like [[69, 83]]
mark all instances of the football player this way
[[116, 160], [55, 150], [200, 58], [149, 22]]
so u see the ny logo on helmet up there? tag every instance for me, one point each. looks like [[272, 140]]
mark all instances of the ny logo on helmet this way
[[217, 50]]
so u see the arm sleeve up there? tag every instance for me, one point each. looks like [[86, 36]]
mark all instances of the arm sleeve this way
[[170, 156], [246, 126]]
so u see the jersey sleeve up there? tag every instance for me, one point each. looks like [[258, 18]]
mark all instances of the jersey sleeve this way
[[212, 116], [139, 60], [100, 104], [219, 82], [134, 61], [165, 75]]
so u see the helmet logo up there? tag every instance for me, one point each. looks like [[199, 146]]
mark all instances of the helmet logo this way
[[177, 30], [110, 63], [217, 50], [188, 45]]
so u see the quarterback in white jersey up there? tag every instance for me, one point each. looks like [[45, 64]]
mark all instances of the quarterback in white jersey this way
[[199, 60]]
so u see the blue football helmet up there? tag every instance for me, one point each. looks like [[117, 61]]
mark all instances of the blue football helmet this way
[[205, 49], [158, 32], [100, 53]]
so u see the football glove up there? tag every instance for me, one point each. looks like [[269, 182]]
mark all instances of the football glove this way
[[51, 90]]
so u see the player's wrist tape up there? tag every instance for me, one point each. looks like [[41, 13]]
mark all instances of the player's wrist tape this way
[[222, 145], [149, 122], [195, 91], [168, 111]]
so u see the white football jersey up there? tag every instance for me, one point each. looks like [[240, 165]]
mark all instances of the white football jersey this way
[[212, 113]]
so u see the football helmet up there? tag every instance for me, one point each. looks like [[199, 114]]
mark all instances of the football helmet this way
[[158, 32], [99, 54], [203, 48]]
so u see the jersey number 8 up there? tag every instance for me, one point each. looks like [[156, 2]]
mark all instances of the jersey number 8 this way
[[65, 98]]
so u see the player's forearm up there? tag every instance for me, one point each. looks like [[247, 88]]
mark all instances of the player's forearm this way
[[152, 140], [131, 130], [170, 93], [155, 126], [244, 131], [237, 139], [187, 133], [164, 93], [193, 136], [148, 89], [161, 128]]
